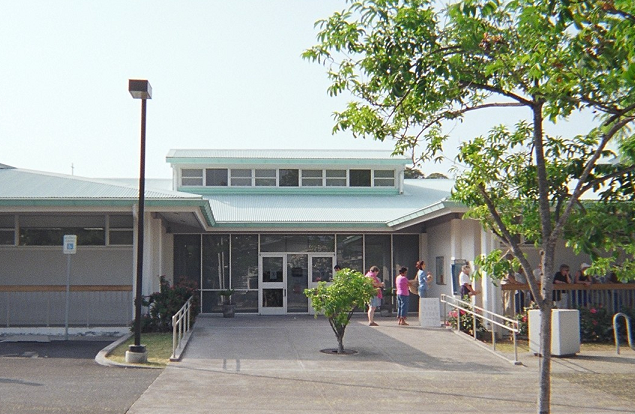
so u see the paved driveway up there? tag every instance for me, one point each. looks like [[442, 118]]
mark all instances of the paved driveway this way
[[63, 377]]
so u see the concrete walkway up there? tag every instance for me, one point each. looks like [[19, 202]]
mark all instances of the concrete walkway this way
[[261, 364]]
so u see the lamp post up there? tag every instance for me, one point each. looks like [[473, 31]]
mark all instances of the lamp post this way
[[140, 89]]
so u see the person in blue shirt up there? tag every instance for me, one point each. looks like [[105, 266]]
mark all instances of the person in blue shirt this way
[[423, 278]]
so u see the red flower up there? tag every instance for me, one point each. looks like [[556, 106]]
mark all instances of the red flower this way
[[593, 310], [594, 322]]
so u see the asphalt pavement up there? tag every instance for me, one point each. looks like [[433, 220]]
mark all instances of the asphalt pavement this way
[[39, 375]]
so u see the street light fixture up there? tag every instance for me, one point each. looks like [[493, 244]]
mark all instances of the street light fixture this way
[[140, 89]]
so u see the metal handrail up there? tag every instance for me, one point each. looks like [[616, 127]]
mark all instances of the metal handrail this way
[[616, 334], [180, 326], [462, 305]]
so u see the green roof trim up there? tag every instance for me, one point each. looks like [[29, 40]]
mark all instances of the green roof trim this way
[[442, 205], [207, 191]]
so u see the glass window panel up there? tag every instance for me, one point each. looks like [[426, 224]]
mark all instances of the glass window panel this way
[[244, 261], [241, 182], [246, 301], [241, 173], [191, 173], [56, 221], [336, 174], [359, 178], [266, 173], [266, 178], [192, 181], [406, 253], [378, 254], [350, 251], [7, 237], [289, 178], [272, 269], [297, 281], [216, 261], [7, 221], [384, 182], [322, 269], [265, 182], [273, 243], [336, 182], [297, 243], [311, 182], [211, 302], [216, 177], [54, 236], [322, 243], [121, 221], [191, 176], [311, 173], [273, 298], [121, 237], [187, 257], [384, 173]]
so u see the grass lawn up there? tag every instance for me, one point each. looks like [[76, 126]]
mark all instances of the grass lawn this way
[[507, 346], [159, 346]]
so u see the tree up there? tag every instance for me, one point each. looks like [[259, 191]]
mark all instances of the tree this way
[[413, 173], [411, 66], [337, 300]]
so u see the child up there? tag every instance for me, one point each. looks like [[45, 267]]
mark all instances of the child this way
[[402, 296]]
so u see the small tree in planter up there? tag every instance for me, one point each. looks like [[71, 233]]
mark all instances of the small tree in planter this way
[[338, 300], [229, 308]]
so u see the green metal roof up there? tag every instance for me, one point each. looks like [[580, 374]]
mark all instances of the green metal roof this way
[[240, 211], [329, 210], [20, 187]]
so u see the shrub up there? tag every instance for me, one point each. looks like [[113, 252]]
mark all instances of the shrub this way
[[465, 321], [338, 300], [167, 302], [596, 325]]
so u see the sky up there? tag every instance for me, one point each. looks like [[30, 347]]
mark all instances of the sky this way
[[225, 74]]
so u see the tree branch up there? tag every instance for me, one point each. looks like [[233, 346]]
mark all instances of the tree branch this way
[[523, 101], [511, 242]]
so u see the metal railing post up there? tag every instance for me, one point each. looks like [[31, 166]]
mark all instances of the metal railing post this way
[[616, 334]]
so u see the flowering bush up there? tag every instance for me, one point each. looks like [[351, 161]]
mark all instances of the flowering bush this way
[[596, 325], [523, 327], [168, 301], [465, 321]]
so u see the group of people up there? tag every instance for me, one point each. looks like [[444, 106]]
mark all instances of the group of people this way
[[560, 297], [403, 285]]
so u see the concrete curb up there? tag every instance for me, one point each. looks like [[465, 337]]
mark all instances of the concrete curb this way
[[102, 356]]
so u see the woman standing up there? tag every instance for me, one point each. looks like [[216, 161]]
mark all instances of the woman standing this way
[[402, 296], [423, 278], [375, 300]]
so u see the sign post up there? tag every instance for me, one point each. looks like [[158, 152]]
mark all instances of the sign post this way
[[69, 247]]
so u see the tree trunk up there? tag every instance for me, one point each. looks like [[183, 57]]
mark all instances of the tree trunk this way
[[544, 396], [340, 344]]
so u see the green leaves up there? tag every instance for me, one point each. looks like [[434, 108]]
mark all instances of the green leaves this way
[[411, 67]]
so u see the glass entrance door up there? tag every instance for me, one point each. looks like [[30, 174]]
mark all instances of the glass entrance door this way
[[273, 292]]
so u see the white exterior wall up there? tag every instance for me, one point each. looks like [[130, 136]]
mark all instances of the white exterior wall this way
[[44, 265]]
